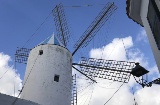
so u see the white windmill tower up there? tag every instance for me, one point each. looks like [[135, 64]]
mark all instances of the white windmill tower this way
[[51, 78], [48, 77]]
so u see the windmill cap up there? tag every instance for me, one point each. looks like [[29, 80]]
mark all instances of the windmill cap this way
[[52, 40]]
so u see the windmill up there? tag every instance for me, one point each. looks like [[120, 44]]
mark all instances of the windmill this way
[[48, 77]]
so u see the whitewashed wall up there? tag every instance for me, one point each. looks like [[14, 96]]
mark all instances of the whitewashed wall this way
[[41, 87]]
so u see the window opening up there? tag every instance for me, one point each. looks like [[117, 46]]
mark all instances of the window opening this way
[[40, 52], [56, 78]]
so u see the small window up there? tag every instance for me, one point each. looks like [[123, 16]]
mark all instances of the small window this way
[[56, 78], [40, 52]]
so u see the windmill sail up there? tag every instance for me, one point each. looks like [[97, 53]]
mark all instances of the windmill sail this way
[[61, 24], [95, 26], [21, 55], [106, 69]]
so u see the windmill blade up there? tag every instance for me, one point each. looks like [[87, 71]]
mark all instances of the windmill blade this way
[[95, 26], [83, 74], [21, 55], [61, 24], [106, 69]]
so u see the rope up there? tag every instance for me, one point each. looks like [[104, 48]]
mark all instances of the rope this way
[[3, 74], [85, 95], [114, 94], [105, 87], [15, 76], [85, 88], [86, 98], [125, 49], [135, 103], [91, 95], [37, 30], [113, 49], [86, 5]]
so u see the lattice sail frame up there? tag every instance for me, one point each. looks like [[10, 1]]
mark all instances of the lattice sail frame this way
[[96, 25], [21, 55], [107, 69], [61, 24]]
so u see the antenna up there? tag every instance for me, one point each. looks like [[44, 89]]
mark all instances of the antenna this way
[[61, 24], [95, 26]]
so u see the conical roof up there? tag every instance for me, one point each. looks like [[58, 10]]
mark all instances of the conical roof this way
[[52, 40]]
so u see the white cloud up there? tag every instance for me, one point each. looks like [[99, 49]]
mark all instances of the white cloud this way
[[120, 49], [149, 95], [115, 51], [9, 77], [102, 94], [137, 56], [154, 69], [142, 36]]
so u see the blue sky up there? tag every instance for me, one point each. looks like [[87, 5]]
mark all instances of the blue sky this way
[[19, 19]]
